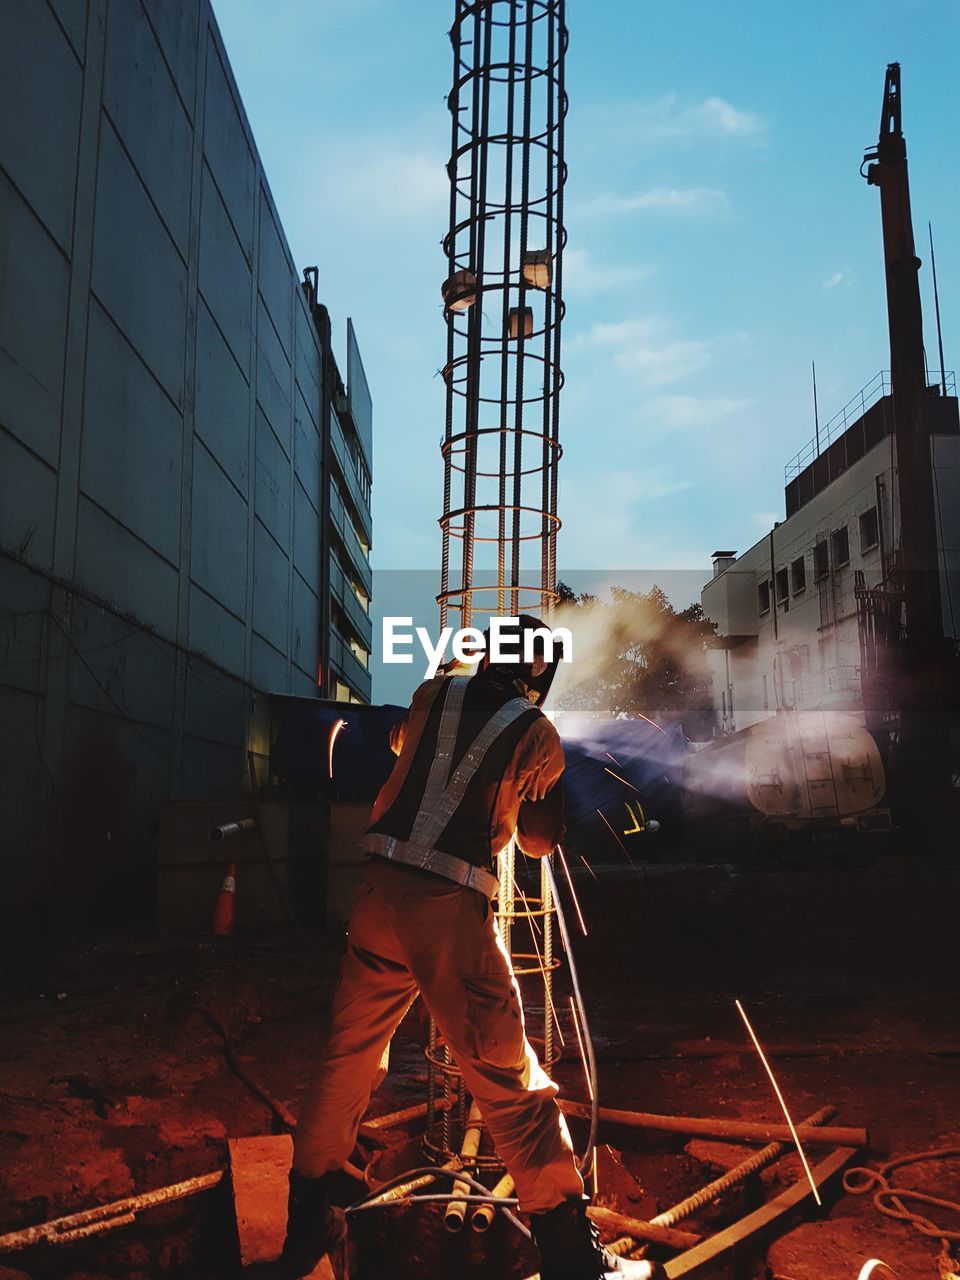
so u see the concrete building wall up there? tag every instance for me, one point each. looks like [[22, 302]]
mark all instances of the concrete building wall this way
[[803, 649], [163, 410]]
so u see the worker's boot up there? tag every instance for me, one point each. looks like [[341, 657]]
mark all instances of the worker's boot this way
[[314, 1226], [570, 1248]]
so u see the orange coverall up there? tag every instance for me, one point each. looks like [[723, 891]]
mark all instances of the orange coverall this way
[[415, 931]]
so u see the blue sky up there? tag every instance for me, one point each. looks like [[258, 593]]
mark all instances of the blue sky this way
[[720, 238]]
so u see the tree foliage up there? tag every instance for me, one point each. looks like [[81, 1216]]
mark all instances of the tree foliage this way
[[637, 655]]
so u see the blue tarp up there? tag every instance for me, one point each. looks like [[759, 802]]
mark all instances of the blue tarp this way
[[626, 770]]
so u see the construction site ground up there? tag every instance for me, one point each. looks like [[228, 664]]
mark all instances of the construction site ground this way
[[114, 1082]]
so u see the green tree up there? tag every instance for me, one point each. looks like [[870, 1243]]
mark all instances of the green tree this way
[[636, 655]]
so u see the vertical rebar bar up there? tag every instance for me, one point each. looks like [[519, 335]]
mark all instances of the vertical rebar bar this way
[[503, 309]]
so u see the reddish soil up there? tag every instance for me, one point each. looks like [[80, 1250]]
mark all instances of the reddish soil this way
[[848, 972]]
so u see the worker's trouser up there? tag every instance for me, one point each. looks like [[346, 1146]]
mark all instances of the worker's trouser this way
[[412, 931]]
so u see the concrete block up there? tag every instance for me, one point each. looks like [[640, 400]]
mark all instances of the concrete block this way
[[258, 1169], [258, 1173]]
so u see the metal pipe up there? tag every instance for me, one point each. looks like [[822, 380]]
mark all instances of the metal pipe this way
[[457, 1209], [228, 830], [483, 1217]]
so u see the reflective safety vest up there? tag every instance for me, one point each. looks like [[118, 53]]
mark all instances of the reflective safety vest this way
[[444, 792]]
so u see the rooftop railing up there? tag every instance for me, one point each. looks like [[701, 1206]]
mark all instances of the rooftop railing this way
[[852, 411]]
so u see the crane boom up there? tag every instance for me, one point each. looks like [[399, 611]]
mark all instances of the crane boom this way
[[886, 168]]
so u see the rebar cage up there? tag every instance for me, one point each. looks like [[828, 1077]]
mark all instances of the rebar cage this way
[[501, 447], [504, 308]]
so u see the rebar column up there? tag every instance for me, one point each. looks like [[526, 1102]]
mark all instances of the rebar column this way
[[503, 308]]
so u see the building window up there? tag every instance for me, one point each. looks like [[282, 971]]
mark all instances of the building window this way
[[342, 692], [360, 653], [783, 585], [763, 596], [869, 530], [841, 546], [798, 572], [821, 561]]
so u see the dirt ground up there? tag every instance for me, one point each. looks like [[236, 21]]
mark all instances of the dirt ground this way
[[114, 1081]]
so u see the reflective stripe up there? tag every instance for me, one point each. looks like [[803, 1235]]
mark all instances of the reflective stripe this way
[[441, 798], [435, 860], [443, 794]]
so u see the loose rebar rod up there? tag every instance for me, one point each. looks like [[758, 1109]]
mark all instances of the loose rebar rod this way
[[610, 1220], [710, 1127], [105, 1217], [735, 1176]]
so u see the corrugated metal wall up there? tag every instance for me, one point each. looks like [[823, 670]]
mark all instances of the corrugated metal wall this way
[[161, 487]]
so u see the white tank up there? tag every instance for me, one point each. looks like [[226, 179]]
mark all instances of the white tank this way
[[795, 767]]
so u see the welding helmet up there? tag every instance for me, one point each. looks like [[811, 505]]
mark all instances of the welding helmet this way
[[536, 675]]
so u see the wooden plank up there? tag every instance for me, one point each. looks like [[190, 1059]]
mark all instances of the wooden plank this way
[[717, 1247]]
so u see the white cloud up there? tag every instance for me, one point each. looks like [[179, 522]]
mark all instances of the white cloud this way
[[667, 119], [385, 182], [642, 346], [838, 277], [689, 200], [718, 116], [607, 523], [694, 411], [583, 274], [765, 519]]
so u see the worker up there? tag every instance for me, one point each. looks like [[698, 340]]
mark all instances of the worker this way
[[478, 763]]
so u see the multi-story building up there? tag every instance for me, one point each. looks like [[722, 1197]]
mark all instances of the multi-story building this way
[[184, 478], [785, 610]]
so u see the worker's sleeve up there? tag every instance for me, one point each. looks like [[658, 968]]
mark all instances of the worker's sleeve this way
[[540, 824], [415, 714]]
